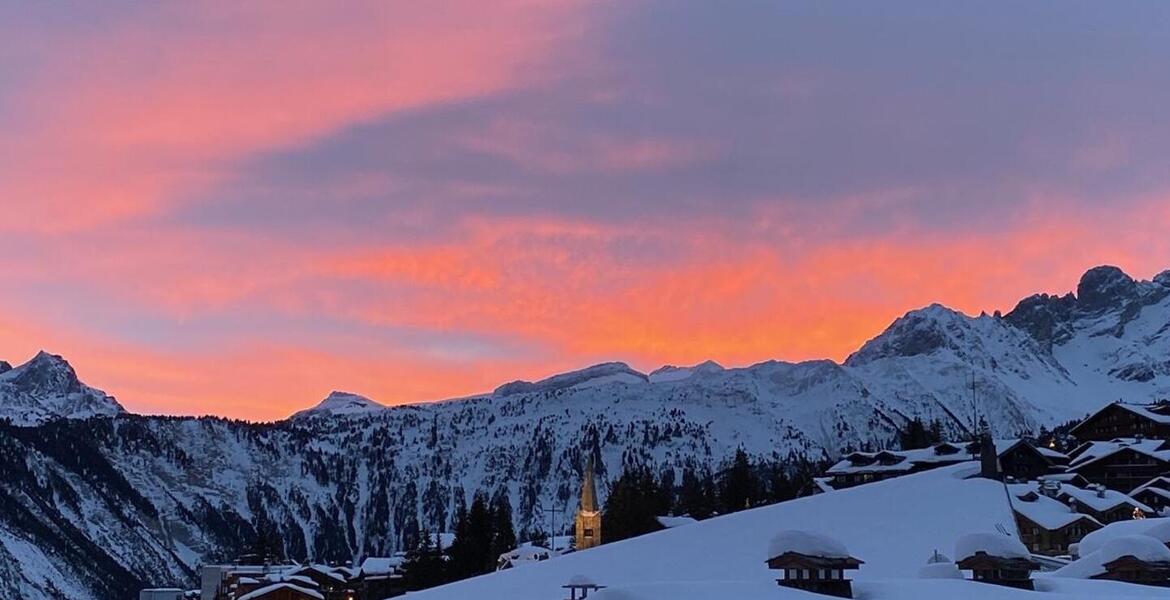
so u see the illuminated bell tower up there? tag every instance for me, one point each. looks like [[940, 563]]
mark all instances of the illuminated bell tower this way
[[589, 514]]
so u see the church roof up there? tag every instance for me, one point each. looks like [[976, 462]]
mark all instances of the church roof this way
[[588, 490]]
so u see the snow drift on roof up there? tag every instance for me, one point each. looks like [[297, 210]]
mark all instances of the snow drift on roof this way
[[807, 543], [994, 544], [1156, 528], [1140, 547]]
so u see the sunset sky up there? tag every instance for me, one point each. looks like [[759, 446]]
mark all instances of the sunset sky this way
[[235, 209]]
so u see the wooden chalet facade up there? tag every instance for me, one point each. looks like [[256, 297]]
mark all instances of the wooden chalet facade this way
[[1054, 542], [378, 578], [1119, 420], [999, 570], [1155, 494], [331, 582], [817, 574], [1133, 570], [1022, 461], [866, 467], [1121, 464]]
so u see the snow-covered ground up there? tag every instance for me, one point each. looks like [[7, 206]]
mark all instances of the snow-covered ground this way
[[894, 526]]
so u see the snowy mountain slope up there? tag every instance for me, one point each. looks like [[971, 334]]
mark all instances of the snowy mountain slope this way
[[893, 526], [733, 548], [340, 404], [46, 387], [157, 495]]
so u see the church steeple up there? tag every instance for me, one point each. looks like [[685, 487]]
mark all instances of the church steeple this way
[[588, 522], [588, 489]]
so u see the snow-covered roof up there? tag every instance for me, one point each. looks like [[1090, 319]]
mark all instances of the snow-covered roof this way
[[1100, 499], [807, 543], [1141, 547], [1143, 410], [580, 579], [381, 565], [1157, 528], [1002, 446], [1042, 510], [823, 484], [1091, 452], [525, 553], [1160, 482], [264, 591], [895, 460], [300, 580], [328, 571], [669, 522], [942, 570], [992, 544], [1061, 477]]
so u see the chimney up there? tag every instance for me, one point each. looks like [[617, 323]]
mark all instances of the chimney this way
[[988, 459], [1100, 491]]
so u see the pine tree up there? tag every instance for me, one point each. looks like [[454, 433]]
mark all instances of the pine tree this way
[[634, 503], [425, 566], [741, 487], [693, 499], [503, 533], [914, 436], [479, 537]]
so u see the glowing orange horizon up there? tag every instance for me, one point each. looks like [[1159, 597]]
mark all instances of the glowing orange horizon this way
[[233, 210]]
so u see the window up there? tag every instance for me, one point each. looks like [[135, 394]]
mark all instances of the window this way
[[588, 532]]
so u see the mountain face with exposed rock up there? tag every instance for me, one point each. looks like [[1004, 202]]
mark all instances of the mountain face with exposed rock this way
[[47, 387], [94, 501]]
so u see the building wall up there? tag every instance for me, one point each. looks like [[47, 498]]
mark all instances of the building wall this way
[[1024, 464], [588, 529], [1124, 471], [1117, 422], [1051, 542]]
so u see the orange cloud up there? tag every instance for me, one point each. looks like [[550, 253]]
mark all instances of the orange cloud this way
[[562, 287], [128, 118], [122, 123]]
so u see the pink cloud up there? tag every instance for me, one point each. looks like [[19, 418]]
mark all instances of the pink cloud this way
[[132, 117]]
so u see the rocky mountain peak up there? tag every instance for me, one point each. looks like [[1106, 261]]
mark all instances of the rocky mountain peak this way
[[47, 387], [1105, 287], [46, 372], [917, 332]]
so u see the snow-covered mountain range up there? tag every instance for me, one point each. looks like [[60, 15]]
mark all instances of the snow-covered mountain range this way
[[97, 506], [46, 387]]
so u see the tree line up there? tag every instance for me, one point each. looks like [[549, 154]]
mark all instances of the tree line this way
[[482, 533], [637, 497]]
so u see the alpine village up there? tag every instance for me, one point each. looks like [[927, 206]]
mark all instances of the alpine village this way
[[1106, 476]]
